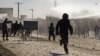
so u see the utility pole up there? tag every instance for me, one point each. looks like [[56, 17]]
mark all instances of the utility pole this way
[[32, 12], [55, 3], [18, 3]]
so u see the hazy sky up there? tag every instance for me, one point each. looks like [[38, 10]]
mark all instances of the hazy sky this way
[[75, 8]]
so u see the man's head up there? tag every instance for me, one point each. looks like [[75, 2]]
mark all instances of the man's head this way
[[65, 16], [20, 22], [6, 19], [51, 24], [16, 21]]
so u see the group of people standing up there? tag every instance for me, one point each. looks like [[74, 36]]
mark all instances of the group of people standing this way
[[15, 28], [62, 28]]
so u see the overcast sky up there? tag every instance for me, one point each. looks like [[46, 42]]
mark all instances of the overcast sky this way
[[75, 8]]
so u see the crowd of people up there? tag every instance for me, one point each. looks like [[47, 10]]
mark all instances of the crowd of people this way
[[62, 28], [15, 28]]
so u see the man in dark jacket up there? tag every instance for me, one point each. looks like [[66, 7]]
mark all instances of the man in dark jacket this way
[[51, 32], [20, 28], [16, 27], [62, 28], [4, 29]]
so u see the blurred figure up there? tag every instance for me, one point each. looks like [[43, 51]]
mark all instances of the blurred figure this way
[[15, 27], [20, 29], [87, 31], [51, 32], [4, 29], [62, 28], [12, 29], [96, 30]]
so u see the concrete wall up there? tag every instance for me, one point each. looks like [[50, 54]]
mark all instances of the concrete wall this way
[[9, 12]]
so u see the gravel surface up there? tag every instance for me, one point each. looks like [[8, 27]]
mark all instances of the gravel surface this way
[[16, 47]]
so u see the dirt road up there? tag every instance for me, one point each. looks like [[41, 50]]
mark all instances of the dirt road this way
[[16, 47]]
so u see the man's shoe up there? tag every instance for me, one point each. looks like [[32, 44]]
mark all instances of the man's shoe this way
[[3, 39], [67, 53], [7, 39]]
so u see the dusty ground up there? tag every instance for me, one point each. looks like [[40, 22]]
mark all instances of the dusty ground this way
[[16, 47]]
